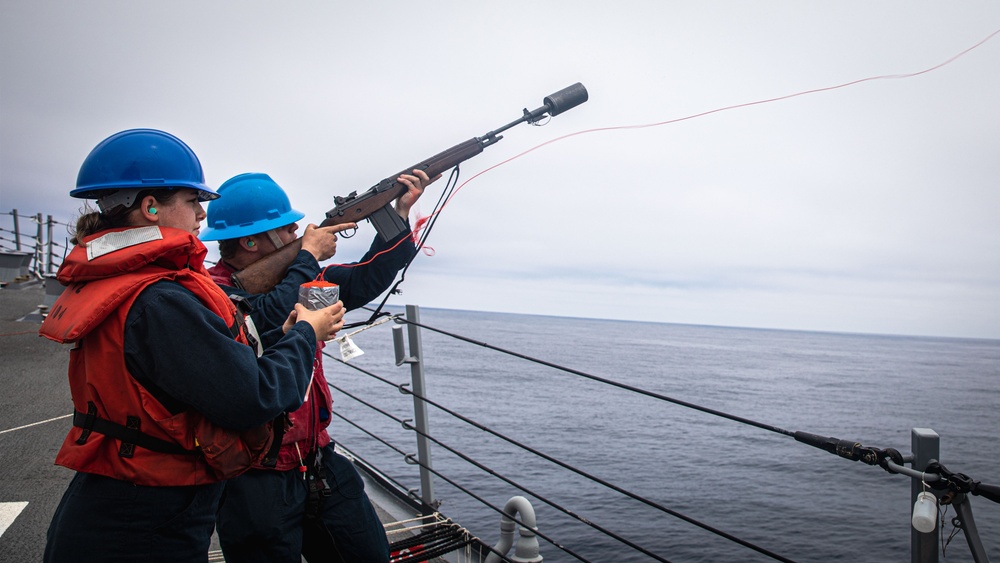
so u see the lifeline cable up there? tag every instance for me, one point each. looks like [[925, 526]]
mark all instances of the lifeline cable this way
[[613, 383], [846, 449], [492, 472], [551, 459], [630, 388], [456, 485]]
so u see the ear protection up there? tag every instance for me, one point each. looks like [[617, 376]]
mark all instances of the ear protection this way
[[251, 243], [152, 211]]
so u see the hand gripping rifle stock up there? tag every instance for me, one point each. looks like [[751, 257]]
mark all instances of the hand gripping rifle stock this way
[[376, 203]]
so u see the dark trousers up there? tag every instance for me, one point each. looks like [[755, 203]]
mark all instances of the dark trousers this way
[[107, 520], [262, 518]]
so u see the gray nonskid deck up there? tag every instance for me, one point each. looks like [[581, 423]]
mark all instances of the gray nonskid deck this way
[[33, 389], [34, 407]]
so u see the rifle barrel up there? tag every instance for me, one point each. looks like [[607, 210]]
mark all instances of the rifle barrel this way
[[264, 274]]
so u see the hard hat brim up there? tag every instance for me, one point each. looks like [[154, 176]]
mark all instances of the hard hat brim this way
[[256, 228], [96, 191]]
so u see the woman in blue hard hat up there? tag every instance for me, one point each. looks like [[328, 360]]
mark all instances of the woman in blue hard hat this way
[[325, 511], [169, 399]]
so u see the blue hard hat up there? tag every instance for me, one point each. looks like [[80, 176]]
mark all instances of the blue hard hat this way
[[140, 159], [248, 204]]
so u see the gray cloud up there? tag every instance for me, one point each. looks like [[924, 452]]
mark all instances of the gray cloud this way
[[868, 209]]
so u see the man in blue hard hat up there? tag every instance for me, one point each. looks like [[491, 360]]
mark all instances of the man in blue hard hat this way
[[306, 500]]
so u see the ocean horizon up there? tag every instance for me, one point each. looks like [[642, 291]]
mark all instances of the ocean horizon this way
[[786, 497], [397, 309]]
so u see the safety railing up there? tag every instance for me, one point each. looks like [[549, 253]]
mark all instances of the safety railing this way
[[933, 486], [31, 246]]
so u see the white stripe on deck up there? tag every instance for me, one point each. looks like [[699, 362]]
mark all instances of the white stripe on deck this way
[[35, 424], [8, 512]]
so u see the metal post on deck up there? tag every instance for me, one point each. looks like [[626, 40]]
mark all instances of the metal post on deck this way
[[419, 405], [38, 245], [48, 261], [926, 446], [17, 231]]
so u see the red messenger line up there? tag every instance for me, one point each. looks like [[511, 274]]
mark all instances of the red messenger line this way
[[686, 118]]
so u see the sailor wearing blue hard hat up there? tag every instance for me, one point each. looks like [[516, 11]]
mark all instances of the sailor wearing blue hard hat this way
[[252, 218], [139, 159], [169, 400]]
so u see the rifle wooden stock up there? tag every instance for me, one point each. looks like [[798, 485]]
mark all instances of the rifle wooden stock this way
[[264, 274], [354, 207], [376, 203]]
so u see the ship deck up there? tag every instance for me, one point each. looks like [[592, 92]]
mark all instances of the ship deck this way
[[34, 417]]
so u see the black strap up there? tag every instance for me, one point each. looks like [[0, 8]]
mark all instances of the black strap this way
[[318, 486], [132, 424], [129, 434], [243, 310], [278, 429], [86, 421]]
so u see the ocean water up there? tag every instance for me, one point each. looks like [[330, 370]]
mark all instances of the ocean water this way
[[764, 487]]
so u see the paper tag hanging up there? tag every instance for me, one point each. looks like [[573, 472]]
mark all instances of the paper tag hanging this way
[[348, 349]]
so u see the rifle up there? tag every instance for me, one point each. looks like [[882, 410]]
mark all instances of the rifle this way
[[376, 203]]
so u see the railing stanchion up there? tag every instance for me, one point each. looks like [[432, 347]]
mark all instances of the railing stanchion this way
[[926, 446], [17, 231], [415, 359], [38, 246], [48, 260]]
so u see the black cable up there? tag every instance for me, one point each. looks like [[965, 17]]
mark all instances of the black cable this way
[[428, 554], [432, 535], [856, 452], [553, 460], [459, 487], [446, 193], [396, 483], [518, 486], [842, 448], [431, 543], [707, 410]]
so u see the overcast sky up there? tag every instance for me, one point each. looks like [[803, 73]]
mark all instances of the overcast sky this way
[[870, 208]]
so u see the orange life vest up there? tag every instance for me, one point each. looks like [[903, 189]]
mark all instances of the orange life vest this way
[[121, 430], [305, 429]]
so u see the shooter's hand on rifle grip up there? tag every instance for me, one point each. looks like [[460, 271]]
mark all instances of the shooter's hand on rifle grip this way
[[321, 242], [325, 322], [415, 183]]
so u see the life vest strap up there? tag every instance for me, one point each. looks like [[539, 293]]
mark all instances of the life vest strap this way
[[270, 459], [319, 487], [243, 308], [86, 422], [129, 434]]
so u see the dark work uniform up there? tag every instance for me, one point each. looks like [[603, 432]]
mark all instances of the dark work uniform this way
[[186, 357], [358, 284], [262, 517]]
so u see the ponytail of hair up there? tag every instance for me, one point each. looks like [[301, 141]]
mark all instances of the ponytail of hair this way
[[92, 222]]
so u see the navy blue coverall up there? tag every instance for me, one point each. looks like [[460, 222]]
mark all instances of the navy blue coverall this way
[[262, 516]]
